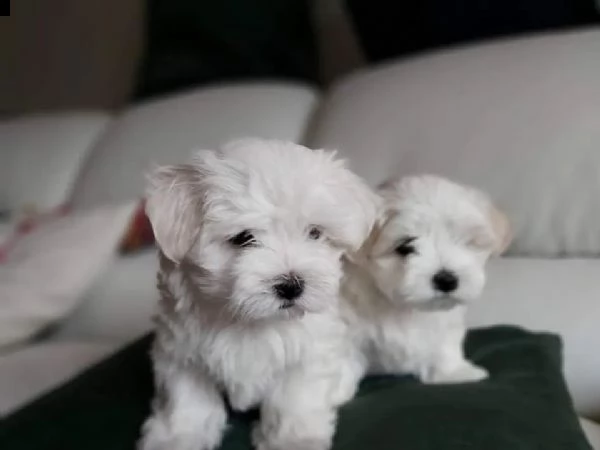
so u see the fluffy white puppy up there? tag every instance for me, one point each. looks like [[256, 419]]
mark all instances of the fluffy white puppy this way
[[407, 290], [251, 239]]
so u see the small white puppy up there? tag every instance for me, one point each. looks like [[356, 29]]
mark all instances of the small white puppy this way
[[251, 239], [407, 290]]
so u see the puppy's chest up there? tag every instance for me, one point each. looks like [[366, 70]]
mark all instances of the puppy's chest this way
[[237, 356], [395, 340]]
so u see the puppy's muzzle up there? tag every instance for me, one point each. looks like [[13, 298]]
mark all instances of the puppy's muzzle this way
[[288, 288], [445, 281]]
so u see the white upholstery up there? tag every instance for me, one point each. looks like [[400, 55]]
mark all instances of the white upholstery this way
[[46, 272], [40, 156], [561, 296], [120, 304], [168, 130], [31, 371], [519, 118]]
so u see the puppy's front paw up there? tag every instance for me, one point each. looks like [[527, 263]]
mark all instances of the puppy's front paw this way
[[160, 433], [465, 373], [242, 400]]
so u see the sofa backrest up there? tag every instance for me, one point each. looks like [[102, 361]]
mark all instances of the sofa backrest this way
[[167, 131], [518, 118]]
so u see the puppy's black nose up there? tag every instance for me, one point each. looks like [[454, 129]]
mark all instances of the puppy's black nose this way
[[445, 281], [290, 287]]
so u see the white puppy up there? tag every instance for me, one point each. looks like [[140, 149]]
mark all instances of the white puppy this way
[[251, 239], [406, 291]]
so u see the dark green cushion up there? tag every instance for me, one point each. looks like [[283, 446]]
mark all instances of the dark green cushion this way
[[194, 42], [525, 405]]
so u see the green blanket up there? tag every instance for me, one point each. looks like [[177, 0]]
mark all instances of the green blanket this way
[[524, 405]]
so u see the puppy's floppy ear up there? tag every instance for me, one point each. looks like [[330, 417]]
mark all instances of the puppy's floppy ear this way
[[499, 223], [502, 229], [370, 243], [173, 207], [352, 207]]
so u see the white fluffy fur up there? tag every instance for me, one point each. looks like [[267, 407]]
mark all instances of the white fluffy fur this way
[[398, 321], [220, 327]]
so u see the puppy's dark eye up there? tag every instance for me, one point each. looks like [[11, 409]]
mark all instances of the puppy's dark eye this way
[[243, 239], [406, 247], [315, 233]]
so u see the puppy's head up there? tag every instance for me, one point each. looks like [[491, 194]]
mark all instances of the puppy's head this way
[[263, 223], [431, 247]]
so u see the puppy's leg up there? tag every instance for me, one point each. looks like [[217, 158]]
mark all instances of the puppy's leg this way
[[449, 365], [464, 372], [189, 414], [301, 413], [243, 397]]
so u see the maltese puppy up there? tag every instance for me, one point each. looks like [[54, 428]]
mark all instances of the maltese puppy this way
[[406, 291], [251, 239]]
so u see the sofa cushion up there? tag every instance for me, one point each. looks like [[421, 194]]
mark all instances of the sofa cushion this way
[[41, 156], [524, 405], [119, 305], [168, 130], [518, 118], [47, 268]]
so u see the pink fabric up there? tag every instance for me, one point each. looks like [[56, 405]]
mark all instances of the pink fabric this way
[[26, 225]]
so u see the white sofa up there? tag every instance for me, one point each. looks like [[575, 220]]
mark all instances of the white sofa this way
[[519, 118]]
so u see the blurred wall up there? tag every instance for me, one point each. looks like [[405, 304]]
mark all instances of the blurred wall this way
[[65, 54], [339, 51], [58, 54]]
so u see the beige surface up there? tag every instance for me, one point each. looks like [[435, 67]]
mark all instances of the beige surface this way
[[68, 54]]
